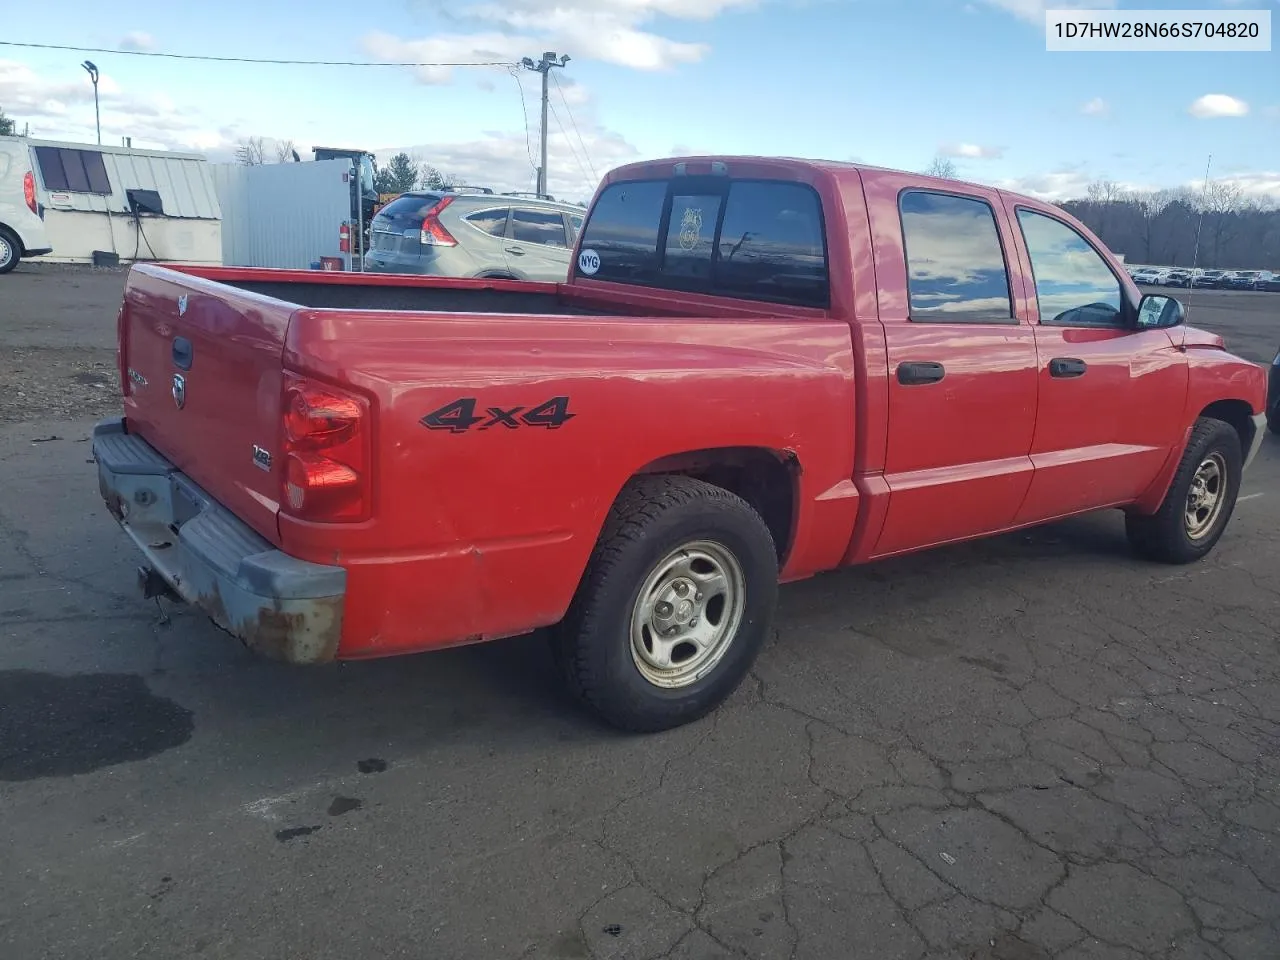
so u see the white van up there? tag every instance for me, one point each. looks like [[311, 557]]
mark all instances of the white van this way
[[22, 232]]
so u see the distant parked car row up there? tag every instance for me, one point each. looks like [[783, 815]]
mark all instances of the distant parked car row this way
[[1210, 279]]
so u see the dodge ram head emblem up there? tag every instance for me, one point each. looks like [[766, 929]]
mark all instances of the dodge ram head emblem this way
[[182, 309], [179, 390]]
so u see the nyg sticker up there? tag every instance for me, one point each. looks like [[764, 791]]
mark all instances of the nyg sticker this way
[[589, 262]]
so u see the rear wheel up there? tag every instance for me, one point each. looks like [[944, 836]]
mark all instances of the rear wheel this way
[[1200, 500], [674, 607], [10, 250]]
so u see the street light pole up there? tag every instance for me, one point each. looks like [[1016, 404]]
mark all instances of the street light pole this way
[[97, 117], [543, 67]]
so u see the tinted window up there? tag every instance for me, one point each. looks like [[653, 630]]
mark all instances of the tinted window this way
[[955, 265], [538, 226], [490, 221], [773, 244], [1074, 285], [404, 212], [575, 225], [687, 254], [623, 230], [76, 171]]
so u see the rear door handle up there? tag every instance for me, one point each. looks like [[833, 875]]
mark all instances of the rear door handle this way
[[921, 371], [515, 251], [1067, 367]]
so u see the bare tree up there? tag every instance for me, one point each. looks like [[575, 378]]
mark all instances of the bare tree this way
[[941, 167], [1105, 191], [251, 151], [284, 151], [1151, 206]]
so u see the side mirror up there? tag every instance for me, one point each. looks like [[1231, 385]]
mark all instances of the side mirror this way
[[1156, 312]]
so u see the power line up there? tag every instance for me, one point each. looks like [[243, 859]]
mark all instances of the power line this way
[[572, 149], [524, 112], [298, 63], [585, 153]]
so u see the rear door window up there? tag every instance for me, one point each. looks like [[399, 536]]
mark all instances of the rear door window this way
[[956, 269], [538, 226], [493, 222], [750, 239]]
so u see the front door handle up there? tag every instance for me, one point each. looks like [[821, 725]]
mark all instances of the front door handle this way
[[515, 251], [918, 372], [1065, 368]]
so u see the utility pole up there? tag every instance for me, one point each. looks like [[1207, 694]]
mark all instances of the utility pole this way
[[543, 67]]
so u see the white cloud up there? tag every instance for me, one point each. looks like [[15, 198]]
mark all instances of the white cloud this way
[[63, 110], [1032, 11], [612, 31], [1097, 107], [504, 161], [1217, 105], [137, 40], [971, 151]]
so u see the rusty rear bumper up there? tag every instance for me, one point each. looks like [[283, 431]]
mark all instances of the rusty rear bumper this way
[[280, 606]]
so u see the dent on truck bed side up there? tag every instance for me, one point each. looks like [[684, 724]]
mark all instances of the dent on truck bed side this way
[[502, 441]]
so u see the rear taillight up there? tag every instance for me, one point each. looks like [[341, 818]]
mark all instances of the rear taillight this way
[[29, 191], [327, 452], [433, 232]]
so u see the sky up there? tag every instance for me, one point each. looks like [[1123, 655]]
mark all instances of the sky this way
[[893, 83]]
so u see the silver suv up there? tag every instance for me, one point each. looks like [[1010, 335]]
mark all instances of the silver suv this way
[[451, 233]]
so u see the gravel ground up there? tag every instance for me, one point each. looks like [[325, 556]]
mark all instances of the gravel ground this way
[[57, 329]]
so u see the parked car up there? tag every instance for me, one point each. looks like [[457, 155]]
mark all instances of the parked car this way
[[1242, 280], [1177, 278], [1209, 278], [22, 232], [758, 369], [1148, 276], [455, 234], [1266, 280]]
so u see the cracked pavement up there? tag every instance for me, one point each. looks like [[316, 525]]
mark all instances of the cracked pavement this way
[[1030, 748]]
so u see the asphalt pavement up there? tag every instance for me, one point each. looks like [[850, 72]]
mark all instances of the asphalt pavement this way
[[1027, 748]]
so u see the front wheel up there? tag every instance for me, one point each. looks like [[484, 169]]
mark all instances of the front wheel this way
[[1200, 500], [674, 607]]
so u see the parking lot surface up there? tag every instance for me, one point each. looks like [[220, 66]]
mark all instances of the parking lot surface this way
[[1027, 748]]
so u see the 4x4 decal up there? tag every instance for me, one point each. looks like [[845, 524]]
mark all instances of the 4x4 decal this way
[[459, 416]]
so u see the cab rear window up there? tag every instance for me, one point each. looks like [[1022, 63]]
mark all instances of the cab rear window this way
[[750, 239]]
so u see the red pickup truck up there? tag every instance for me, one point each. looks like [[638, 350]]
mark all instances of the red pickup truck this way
[[757, 370]]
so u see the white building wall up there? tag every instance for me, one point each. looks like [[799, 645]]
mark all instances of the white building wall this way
[[282, 215]]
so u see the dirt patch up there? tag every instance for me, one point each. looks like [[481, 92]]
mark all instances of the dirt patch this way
[[57, 383]]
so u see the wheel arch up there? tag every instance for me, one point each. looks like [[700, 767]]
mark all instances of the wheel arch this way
[[1238, 414], [766, 479]]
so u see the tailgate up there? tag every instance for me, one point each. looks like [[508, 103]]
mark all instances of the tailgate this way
[[201, 370]]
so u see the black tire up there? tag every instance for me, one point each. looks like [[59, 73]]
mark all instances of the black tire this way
[[10, 250], [1165, 536], [653, 518]]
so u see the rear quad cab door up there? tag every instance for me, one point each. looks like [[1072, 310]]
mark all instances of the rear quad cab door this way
[[961, 364]]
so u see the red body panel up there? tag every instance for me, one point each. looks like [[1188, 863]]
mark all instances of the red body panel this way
[[485, 533]]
